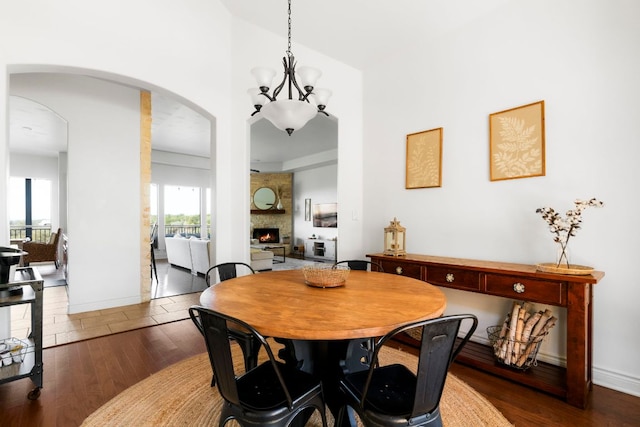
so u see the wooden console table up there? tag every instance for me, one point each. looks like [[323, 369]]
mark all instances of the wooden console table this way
[[574, 292]]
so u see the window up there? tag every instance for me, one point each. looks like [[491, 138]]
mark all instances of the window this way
[[182, 211], [30, 208], [208, 211]]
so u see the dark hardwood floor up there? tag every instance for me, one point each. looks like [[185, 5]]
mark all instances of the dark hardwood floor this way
[[80, 377]]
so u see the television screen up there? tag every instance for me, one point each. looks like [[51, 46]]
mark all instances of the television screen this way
[[325, 215]]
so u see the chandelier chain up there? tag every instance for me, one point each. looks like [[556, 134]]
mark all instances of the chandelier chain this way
[[289, 23]]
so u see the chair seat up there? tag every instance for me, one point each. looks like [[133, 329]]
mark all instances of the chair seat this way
[[393, 395], [391, 392], [271, 394], [260, 390]]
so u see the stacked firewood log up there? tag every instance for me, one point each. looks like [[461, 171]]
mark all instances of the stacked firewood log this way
[[521, 334]]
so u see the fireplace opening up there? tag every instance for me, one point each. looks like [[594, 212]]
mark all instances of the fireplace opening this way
[[267, 235]]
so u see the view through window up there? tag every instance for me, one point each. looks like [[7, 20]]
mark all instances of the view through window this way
[[30, 208], [182, 211]]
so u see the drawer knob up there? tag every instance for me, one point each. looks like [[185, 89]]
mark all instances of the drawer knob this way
[[450, 277], [518, 288], [398, 270]]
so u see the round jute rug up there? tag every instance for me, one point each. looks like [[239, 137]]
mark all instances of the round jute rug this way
[[181, 395]]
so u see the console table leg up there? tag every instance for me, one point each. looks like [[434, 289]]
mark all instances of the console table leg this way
[[579, 346]]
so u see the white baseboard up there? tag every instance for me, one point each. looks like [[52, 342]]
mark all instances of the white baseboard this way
[[616, 381], [605, 378]]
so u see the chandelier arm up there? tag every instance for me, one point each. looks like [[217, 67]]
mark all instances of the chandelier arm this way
[[267, 95], [278, 88], [291, 72], [302, 94]]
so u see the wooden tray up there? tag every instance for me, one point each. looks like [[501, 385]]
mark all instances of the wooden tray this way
[[573, 269]]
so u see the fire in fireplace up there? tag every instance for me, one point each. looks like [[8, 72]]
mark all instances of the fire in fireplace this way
[[267, 235]]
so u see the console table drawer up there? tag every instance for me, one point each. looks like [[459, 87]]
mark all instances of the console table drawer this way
[[453, 278], [402, 268], [540, 291]]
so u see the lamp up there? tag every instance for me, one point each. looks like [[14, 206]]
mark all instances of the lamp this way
[[395, 239], [289, 114]]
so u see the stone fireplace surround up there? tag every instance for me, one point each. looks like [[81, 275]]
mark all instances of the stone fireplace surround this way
[[282, 221]]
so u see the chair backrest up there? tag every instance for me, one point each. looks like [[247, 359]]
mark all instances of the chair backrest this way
[[360, 264], [55, 237], [153, 235], [215, 328], [226, 271], [439, 346]]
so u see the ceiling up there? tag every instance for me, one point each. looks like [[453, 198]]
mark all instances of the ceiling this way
[[361, 32], [359, 37], [176, 128]]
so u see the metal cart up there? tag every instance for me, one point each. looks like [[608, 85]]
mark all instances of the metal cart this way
[[27, 362]]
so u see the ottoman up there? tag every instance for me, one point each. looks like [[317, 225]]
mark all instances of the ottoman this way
[[261, 260]]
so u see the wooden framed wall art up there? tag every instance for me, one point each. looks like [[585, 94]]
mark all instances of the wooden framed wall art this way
[[516, 142], [424, 159]]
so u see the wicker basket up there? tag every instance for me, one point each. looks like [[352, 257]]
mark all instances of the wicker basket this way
[[325, 275], [516, 354]]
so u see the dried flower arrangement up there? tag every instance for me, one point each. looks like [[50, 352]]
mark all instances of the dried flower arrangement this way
[[564, 228]]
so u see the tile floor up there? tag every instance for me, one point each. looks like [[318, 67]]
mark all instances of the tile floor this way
[[176, 291], [61, 328]]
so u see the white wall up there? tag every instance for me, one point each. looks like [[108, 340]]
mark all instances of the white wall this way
[[581, 59], [320, 185], [103, 185]]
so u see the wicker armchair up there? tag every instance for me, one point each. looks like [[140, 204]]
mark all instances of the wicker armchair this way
[[43, 252]]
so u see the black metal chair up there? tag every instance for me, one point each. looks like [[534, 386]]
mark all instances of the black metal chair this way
[[226, 271], [360, 264], [153, 237], [249, 344], [271, 394], [393, 395], [360, 351]]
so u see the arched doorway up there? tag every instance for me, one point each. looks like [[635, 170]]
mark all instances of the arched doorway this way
[[87, 93]]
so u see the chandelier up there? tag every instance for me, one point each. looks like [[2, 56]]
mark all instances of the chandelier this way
[[291, 113]]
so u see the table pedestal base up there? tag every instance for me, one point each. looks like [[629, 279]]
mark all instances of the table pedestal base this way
[[328, 361]]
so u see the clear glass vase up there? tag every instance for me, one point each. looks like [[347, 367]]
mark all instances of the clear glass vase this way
[[562, 256]]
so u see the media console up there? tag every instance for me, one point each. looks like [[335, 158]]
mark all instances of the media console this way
[[521, 282]]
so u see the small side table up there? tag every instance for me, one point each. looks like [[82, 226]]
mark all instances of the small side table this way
[[277, 247], [299, 250]]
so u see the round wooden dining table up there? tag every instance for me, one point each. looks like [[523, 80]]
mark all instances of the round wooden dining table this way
[[280, 304], [325, 329]]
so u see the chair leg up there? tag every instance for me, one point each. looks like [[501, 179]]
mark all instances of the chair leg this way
[[153, 264]]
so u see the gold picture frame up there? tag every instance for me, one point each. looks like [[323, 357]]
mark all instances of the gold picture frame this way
[[424, 159], [516, 142]]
